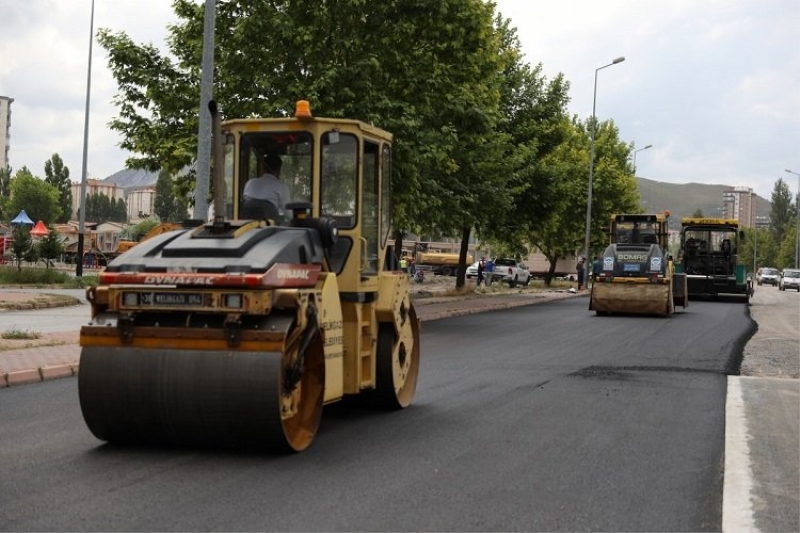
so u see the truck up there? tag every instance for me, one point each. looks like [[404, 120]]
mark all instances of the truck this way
[[433, 257], [637, 275], [708, 256], [235, 333]]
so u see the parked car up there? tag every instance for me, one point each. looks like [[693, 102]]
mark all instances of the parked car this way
[[511, 272], [769, 276], [790, 278], [472, 270]]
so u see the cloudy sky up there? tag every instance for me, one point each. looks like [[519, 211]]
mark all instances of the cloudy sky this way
[[712, 85]]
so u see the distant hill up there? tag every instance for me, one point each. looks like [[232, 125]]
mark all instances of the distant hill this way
[[133, 179], [683, 199]]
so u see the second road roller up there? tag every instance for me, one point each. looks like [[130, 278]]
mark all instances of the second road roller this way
[[637, 275]]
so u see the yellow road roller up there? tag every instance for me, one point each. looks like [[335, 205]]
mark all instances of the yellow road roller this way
[[236, 332], [636, 274]]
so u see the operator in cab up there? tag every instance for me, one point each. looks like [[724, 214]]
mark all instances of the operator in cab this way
[[269, 185]]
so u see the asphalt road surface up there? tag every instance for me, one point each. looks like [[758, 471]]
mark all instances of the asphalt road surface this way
[[541, 418]]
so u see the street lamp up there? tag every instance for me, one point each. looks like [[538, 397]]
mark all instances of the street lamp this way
[[797, 230], [591, 159], [82, 217], [634, 157]]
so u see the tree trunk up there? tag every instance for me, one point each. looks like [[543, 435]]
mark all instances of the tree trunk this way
[[461, 273]]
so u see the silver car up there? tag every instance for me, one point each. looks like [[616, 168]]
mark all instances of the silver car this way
[[790, 279], [768, 276]]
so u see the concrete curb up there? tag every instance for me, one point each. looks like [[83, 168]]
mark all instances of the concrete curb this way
[[34, 375]]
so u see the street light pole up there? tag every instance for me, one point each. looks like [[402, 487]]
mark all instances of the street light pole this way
[[797, 229], [82, 217], [634, 157], [591, 158]]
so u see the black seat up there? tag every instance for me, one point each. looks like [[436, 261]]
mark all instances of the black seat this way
[[260, 209]]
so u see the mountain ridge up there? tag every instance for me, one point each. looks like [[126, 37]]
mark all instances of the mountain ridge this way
[[684, 199]]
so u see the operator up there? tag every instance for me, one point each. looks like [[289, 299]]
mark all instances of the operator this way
[[269, 185]]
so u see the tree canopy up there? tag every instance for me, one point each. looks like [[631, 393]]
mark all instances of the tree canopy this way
[[57, 175], [40, 200], [781, 217], [473, 123], [169, 205]]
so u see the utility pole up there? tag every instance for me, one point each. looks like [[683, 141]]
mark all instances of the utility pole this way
[[204, 116]]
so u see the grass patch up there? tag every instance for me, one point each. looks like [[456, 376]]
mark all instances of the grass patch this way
[[42, 277], [20, 335]]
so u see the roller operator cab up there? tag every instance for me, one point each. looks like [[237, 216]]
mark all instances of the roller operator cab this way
[[235, 333], [636, 273], [709, 258]]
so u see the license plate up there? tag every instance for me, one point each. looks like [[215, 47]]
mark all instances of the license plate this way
[[172, 298], [630, 267]]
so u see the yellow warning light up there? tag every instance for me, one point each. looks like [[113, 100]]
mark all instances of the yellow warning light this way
[[302, 109]]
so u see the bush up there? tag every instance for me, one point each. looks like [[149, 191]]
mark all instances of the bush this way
[[43, 276]]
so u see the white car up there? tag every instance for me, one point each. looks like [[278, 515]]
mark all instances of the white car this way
[[511, 272], [472, 270], [790, 279]]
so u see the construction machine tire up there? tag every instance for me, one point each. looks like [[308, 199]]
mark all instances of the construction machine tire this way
[[397, 363], [235, 399]]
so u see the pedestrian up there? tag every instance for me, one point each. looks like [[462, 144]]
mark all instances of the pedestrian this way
[[488, 271], [404, 264], [595, 268], [481, 267], [581, 271]]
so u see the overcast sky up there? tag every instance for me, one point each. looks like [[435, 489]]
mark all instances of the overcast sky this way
[[712, 85]]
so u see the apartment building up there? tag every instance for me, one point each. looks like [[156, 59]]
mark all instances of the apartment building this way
[[739, 204]]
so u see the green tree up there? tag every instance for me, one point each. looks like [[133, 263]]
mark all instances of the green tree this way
[[31, 255], [120, 211], [534, 114], [168, 205], [39, 199], [698, 213], [21, 243], [435, 85], [561, 230], [785, 257], [137, 231], [781, 217], [758, 241], [100, 208], [57, 175], [50, 247]]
